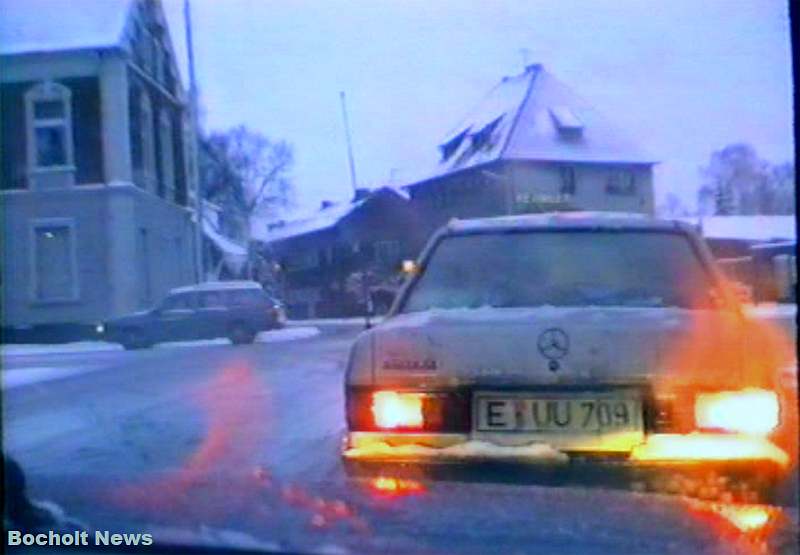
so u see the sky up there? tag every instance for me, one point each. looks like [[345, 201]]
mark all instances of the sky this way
[[683, 78]]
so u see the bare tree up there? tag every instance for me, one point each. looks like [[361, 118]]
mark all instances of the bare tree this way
[[248, 175], [738, 181]]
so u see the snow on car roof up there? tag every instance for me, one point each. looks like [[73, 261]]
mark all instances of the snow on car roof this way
[[51, 25], [566, 220], [218, 285]]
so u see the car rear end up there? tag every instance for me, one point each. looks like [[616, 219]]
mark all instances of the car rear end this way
[[631, 388]]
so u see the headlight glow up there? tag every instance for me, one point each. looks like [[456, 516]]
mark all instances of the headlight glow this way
[[391, 409], [748, 411]]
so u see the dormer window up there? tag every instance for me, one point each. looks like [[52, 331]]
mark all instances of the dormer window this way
[[48, 109], [568, 124], [484, 139], [450, 147]]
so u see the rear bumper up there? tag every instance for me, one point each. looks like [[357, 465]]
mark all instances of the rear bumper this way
[[657, 450]]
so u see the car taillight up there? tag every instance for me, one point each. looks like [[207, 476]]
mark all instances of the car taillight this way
[[748, 411], [391, 409], [410, 411]]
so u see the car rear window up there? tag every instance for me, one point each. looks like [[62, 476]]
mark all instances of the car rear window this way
[[246, 297], [211, 299], [562, 268], [177, 302]]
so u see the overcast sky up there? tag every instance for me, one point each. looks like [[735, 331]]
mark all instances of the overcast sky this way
[[682, 77]]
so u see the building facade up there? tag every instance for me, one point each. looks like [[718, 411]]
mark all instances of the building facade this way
[[329, 262], [97, 188], [533, 145]]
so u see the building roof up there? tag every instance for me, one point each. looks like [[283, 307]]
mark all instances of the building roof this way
[[324, 218], [31, 26], [534, 116], [564, 220], [746, 228]]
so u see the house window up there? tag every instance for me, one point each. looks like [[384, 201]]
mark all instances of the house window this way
[[49, 123], [621, 183], [167, 156], [54, 263], [568, 187], [147, 142]]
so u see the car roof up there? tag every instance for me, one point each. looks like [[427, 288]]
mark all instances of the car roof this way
[[566, 220], [218, 286]]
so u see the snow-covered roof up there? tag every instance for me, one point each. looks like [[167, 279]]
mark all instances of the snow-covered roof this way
[[322, 219], [533, 116], [318, 220], [747, 228], [29, 26], [226, 245]]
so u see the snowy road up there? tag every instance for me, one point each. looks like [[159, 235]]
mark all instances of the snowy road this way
[[240, 444]]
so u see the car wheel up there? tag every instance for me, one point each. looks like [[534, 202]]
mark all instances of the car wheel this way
[[133, 340], [240, 334]]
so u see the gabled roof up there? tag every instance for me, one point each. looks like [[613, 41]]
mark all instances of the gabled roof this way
[[30, 26], [533, 116], [319, 220]]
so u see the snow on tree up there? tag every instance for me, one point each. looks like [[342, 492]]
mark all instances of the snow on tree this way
[[738, 181]]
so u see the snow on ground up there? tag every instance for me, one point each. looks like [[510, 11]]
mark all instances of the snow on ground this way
[[352, 321], [39, 374], [288, 334], [59, 348], [18, 377], [771, 310]]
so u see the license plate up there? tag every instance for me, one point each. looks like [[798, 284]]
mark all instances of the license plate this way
[[558, 414]]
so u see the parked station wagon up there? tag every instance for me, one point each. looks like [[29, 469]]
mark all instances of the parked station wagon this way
[[238, 310], [562, 337]]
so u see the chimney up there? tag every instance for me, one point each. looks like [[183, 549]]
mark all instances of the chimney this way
[[361, 194]]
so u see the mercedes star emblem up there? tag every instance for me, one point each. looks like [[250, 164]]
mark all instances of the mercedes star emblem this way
[[553, 343]]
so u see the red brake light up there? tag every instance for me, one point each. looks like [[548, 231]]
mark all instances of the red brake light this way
[[411, 411], [391, 409]]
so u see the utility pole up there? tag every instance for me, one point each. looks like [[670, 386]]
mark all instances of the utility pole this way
[[198, 238], [353, 181]]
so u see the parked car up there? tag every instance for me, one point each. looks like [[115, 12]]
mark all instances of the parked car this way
[[238, 310], [555, 338]]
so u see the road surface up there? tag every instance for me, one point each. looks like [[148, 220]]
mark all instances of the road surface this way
[[216, 443]]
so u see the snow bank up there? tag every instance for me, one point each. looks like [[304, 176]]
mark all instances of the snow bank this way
[[287, 334], [40, 374], [273, 336], [352, 321], [77, 347], [772, 310], [473, 449]]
